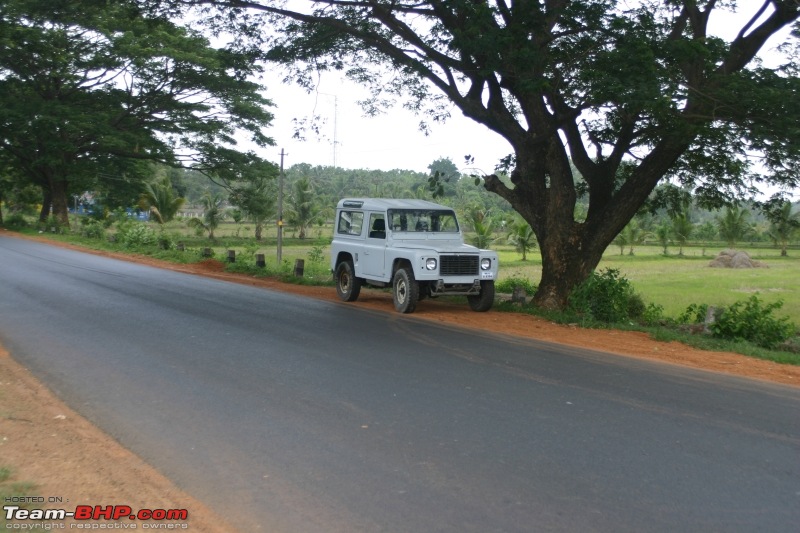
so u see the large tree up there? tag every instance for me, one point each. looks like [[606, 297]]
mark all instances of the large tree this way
[[89, 89], [630, 93]]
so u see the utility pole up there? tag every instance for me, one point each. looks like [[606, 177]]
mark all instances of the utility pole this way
[[280, 211]]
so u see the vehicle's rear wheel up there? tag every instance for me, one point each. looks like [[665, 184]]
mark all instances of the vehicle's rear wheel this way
[[405, 291], [348, 286], [483, 301]]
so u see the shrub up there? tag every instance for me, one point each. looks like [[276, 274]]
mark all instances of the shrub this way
[[694, 314], [317, 254], [653, 314], [507, 285], [16, 221], [133, 234], [92, 228], [753, 321], [605, 297]]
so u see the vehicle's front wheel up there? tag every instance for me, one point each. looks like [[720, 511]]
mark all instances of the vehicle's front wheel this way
[[483, 301], [405, 291], [348, 286]]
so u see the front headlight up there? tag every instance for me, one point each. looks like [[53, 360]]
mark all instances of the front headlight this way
[[486, 264], [430, 264]]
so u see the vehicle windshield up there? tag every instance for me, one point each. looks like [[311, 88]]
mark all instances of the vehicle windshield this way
[[423, 220]]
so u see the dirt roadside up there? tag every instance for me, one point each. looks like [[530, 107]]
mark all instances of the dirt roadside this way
[[47, 443]]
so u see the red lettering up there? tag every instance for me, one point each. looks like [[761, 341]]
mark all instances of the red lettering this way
[[83, 512], [121, 510], [103, 512]]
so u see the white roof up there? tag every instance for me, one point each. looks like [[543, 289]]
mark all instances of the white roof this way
[[382, 204]]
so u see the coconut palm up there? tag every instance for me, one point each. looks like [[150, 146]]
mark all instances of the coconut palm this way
[[160, 200], [783, 226], [633, 234], [682, 229], [303, 209], [522, 237], [663, 235], [212, 214], [734, 226]]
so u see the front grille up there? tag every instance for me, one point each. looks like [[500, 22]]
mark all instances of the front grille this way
[[458, 265]]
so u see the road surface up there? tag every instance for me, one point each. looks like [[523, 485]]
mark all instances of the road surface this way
[[288, 414]]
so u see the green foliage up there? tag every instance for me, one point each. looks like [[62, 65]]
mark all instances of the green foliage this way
[[92, 228], [604, 297], [507, 285], [102, 88], [135, 234], [317, 254], [753, 321], [694, 314], [734, 225], [303, 208], [9, 488], [523, 239], [53, 224], [16, 221], [784, 225], [160, 200], [212, 215], [653, 315]]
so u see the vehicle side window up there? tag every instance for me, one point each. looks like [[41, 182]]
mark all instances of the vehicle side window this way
[[350, 222], [377, 226]]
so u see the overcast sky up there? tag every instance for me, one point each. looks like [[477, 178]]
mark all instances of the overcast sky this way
[[393, 140]]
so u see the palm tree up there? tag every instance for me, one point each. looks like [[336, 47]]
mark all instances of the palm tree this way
[[256, 198], [663, 233], [484, 233], [633, 235], [160, 200], [303, 210], [783, 226], [682, 229], [733, 225], [212, 214], [522, 237]]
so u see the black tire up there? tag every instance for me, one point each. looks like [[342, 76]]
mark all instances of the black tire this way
[[483, 301], [405, 291], [348, 286]]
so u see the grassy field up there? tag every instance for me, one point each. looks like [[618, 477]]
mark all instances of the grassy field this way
[[675, 282]]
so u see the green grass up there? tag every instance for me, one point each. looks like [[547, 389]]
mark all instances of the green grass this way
[[675, 282], [11, 488]]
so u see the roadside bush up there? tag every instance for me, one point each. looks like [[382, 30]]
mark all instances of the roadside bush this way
[[52, 225], [133, 234], [605, 297], [653, 315], [694, 314], [507, 285], [753, 321], [317, 254], [16, 221], [92, 228]]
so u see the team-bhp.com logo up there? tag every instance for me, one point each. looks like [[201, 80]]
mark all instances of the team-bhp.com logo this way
[[87, 516]]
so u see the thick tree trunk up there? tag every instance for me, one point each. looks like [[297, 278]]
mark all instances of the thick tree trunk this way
[[47, 204], [566, 263], [58, 190]]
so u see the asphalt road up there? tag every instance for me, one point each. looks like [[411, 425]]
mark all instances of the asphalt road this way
[[290, 414]]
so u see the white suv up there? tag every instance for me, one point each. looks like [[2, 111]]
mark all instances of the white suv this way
[[415, 246]]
